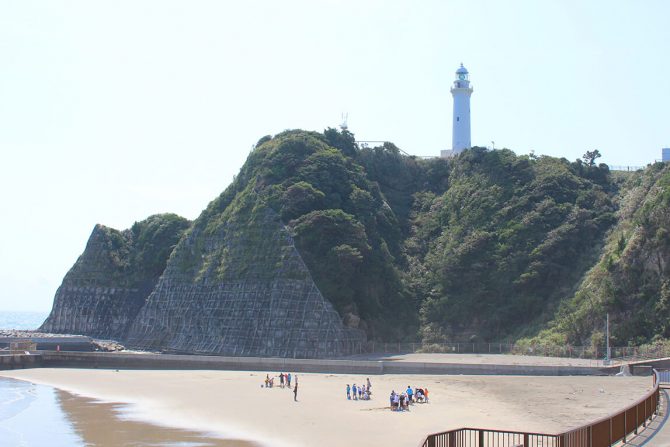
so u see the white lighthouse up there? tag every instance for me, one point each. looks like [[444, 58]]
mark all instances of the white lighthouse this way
[[461, 92]]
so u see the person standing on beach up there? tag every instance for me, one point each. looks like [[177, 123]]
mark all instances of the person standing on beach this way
[[281, 380], [348, 392], [288, 379], [295, 391]]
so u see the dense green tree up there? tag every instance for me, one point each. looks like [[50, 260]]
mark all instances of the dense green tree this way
[[590, 157]]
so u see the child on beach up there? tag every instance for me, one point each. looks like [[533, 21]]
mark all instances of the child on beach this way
[[418, 393], [348, 392], [288, 379]]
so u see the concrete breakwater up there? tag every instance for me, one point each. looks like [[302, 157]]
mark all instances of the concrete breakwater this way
[[169, 361], [47, 342]]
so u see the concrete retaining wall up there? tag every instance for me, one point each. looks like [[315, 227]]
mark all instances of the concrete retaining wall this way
[[663, 363], [167, 361], [19, 361]]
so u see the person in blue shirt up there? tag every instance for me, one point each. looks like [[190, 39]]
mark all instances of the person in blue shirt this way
[[348, 392], [410, 393]]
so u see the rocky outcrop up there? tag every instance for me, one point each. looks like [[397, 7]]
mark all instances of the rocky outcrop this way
[[238, 287], [105, 289], [94, 298], [241, 290]]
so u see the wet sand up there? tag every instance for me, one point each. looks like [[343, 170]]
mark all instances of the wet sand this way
[[37, 415], [103, 424], [233, 403]]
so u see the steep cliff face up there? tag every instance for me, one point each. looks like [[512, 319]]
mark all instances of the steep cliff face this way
[[236, 283], [494, 255], [241, 289], [631, 281], [103, 292]]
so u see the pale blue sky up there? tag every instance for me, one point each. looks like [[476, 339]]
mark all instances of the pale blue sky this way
[[112, 111]]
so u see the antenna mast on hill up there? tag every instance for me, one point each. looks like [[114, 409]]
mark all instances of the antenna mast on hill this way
[[344, 126]]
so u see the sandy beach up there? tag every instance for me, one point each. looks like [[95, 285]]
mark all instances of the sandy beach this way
[[233, 403]]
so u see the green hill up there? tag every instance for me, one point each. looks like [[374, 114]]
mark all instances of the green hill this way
[[318, 236], [631, 280]]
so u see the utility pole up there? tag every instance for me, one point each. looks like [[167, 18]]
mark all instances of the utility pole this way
[[608, 354]]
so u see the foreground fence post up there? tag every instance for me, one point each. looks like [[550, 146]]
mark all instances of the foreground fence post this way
[[610, 433], [646, 415], [525, 440], [481, 438]]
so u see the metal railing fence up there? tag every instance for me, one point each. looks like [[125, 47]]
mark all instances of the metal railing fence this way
[[619, 353]]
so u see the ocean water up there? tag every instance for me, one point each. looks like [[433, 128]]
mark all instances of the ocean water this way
[[30, 415], [22, 320]]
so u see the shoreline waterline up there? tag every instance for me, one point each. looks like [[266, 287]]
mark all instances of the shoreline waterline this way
[[67, 419]]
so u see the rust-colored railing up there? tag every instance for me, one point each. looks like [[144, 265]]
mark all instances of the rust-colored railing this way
[[603, 432]]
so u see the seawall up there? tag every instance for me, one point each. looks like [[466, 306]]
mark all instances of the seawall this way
[[20, 361], [168, 361]]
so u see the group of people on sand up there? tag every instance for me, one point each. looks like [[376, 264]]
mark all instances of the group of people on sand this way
[[284, 382], [360, 392], [402, 401]]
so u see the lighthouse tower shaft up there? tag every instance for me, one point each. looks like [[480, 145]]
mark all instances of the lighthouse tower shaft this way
[[461, 92]]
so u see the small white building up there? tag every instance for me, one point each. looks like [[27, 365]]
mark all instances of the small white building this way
[[665, 154]]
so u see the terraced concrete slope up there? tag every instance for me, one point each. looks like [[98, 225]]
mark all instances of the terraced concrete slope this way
[[241, 290], [103, 292]]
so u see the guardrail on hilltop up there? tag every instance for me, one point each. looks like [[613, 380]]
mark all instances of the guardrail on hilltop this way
[[603, 432], [567, 351], [625, 168]]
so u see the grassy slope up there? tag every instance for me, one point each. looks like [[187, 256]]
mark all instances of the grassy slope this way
[[631, 280]]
